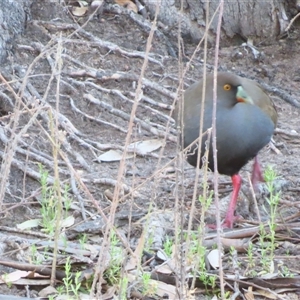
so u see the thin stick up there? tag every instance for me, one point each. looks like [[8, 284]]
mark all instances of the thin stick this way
[[292, 21], [254, 199], [116, 196], [214, 144]]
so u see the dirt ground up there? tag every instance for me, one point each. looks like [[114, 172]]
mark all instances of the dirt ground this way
[[97, 86]]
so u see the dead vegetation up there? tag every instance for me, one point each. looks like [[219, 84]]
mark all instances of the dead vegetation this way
[[94, 190]]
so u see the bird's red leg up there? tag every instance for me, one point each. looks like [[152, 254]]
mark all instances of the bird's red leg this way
[[256, 173], [230, 217]]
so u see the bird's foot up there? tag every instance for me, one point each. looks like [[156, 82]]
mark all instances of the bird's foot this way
[[227, 223], [230, 217]]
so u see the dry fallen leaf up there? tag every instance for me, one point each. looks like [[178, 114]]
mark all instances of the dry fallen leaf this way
[[13, 276], [29, 224], [249, 294], [68, 222], [141, 147], [164, 289], [112, 155], [144, 147], [213, 258], [164, 269], [267, 294], [81, 10], [127, 4]]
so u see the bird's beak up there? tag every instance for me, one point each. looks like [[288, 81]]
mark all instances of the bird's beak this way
[[242, 96]]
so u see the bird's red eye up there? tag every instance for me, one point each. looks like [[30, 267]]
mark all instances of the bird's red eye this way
[[227, 87]]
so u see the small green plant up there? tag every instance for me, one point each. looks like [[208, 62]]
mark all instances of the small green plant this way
[[251, 262], [208, 280], [123, 287], [206, 200], [267, 240], [34, 252], [71, 285], [68, 279], [227, 295], [285, 272], [193, 247], [76, 284], [264, 249], [273, 201], [234, 257], [82, 240], [38, 257], [168, 246], [202, 254], [252, 273], [49, 202], [197, 256], [60, 289], [66, 200], [197, 251], [149, 241], [250, 256], [232, 250], [149, 287], [6, 280], [113, 273]]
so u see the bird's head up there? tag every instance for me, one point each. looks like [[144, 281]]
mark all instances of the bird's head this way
[[231, 90]]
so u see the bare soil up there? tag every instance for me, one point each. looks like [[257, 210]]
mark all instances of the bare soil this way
[[94, 70]]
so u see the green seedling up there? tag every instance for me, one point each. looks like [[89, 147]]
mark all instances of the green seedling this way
[[149, 287], [168, 246]]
